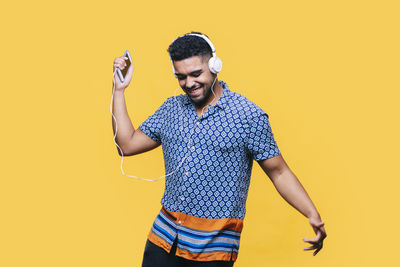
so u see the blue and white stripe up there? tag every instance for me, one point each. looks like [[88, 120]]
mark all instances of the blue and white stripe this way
[[196, 241]]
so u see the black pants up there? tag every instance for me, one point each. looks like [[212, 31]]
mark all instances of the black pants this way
[[154, 256]]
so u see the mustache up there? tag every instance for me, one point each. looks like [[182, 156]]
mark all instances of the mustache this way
[[192, 88]]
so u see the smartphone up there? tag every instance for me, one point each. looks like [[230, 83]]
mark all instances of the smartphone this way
[[122, 73]]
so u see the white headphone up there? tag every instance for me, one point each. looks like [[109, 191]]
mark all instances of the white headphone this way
[[214, 63], [215, 66]]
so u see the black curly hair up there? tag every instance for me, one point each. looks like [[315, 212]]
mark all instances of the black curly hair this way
[[188, 46]]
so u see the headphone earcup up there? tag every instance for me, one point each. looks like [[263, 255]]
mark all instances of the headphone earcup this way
[[215, 64]]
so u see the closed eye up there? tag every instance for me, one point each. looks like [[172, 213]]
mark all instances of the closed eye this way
[[195, 73]]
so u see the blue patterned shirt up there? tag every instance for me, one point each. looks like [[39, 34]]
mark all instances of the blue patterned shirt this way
[[215, 153]]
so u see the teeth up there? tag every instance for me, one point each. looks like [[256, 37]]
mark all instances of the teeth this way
[[194, 89]]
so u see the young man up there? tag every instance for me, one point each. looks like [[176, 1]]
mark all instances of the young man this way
[[210, 136]]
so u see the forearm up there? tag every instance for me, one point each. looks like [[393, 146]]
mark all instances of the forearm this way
[[124, 128], [290, 188]]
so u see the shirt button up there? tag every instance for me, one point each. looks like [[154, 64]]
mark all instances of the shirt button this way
[[180, 222], [192, 148], [197, 123], [187, 173], [182, 198]]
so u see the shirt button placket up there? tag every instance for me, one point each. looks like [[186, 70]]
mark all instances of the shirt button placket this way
[[181, 197]]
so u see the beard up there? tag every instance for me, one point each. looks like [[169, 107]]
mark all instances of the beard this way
[[203, 97]]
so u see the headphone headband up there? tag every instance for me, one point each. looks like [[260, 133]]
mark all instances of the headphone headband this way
[[214, 63], [214, 54]]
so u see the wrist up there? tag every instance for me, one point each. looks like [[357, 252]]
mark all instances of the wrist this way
[[313, 214], [119, 91]]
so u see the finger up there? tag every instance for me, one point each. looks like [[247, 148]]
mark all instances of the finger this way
[[120, 66], [322, 234], [123, 60], [317, 247], [123, 64], [313, 240], [311, 248], [315, 252], [119, 60]]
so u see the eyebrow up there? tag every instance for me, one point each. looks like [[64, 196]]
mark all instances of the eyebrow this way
[[193, 72]]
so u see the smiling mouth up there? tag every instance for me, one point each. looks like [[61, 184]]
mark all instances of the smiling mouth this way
[[194, 92]]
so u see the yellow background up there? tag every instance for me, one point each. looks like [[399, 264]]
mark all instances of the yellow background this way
[[327, 73]]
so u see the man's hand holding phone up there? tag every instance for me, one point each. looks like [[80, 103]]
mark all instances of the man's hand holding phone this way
[[123, 69]]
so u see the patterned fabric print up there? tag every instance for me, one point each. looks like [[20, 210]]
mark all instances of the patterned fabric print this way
[[204, 202], [220, 240], [219, 147]]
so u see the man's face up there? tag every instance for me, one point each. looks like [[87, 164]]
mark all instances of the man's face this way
[[195, 78]]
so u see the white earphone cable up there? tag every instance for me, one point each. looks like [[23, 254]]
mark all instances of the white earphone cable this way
[[116, 130]]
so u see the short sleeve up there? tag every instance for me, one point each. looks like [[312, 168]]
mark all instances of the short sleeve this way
[[152, 126], [260, 142]]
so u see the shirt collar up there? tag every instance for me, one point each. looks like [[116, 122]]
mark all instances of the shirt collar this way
[[222, 101]]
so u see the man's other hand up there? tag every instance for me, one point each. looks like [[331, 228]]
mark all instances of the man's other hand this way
[[316, 242]]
